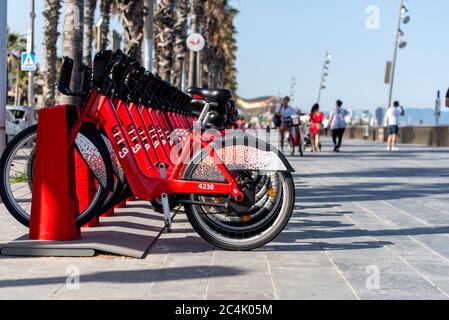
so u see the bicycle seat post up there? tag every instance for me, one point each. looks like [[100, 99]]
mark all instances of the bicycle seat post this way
[[202, 117]]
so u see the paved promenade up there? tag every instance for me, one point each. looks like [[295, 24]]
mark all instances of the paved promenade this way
[[367, 225]]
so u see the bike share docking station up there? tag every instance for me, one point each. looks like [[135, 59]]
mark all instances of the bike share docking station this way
[[127, 230]]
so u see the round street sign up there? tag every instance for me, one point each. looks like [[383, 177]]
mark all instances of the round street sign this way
[[195, 42]]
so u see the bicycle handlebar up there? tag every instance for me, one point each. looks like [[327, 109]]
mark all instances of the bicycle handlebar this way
[[118, 73]]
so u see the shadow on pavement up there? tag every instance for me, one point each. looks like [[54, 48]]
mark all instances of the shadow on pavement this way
[[372, 191], [321, 246], [412, 172], [133, 276]]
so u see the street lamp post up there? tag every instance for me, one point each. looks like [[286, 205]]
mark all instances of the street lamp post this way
[[31, 50], [398, 44], [3, 57], [293, 89], [194, 76], [438, 108], [324, 74]]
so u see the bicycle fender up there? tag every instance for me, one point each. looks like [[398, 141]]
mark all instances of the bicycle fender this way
[[251, 153], [95, 153], [116, 166], [238, 152]]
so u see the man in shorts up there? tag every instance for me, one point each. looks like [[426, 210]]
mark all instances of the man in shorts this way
[[392, 122]]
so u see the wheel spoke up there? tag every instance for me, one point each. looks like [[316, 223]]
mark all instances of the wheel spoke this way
[[21, 197], [25, 185], [28, 205]]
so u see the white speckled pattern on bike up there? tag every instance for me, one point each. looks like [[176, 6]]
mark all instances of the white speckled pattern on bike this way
[[93, 158]]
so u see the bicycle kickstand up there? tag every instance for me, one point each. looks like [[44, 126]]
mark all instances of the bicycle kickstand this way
[[165, 203]]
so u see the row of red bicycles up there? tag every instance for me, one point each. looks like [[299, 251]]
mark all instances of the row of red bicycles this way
[[140, 136]]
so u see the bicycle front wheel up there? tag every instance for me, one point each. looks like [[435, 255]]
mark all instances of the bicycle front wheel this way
[[16, 180]]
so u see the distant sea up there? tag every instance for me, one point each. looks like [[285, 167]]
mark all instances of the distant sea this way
[[414, 115]]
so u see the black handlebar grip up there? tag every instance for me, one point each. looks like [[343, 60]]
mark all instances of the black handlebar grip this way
[[65, 76]]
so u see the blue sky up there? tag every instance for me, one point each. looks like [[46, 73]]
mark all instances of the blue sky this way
[[282, 39]]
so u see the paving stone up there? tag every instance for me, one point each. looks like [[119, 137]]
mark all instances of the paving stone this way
[[354, 210]]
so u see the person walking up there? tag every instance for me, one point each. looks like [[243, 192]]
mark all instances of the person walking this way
[[447, 98], [326, 126], [284, 112], [240, 123], [392, 122], [316, 119], [337, 124]]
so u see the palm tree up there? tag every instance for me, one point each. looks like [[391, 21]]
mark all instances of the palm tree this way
[[219, 54], [105, 14], [132, 13], [15, 46], [72, 40], [51, 21], [89, 30], [164, 30], [212, 21], [228, 47], [180, 48]]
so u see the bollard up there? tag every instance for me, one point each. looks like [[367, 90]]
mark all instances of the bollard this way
[[54, 205]]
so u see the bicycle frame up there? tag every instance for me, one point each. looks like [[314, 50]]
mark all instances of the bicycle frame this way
[[146, 180], [295, 134], [156, 128]]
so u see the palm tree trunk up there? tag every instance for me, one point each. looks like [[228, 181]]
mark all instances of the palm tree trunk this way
[[219, 56], [51, 21], [157, 33], [229, 48], [180, 49], [133, 20], [72, 44], [165, 33], [89, 30], [212, 22], [105, 13], [17, 89]]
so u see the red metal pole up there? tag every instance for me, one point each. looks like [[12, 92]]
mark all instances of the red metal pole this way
[[54, 206]]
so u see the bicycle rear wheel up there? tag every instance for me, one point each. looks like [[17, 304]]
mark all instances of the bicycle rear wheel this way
[[261, 222]]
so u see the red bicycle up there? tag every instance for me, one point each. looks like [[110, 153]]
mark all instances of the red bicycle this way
[[294, 136], [138, 131]]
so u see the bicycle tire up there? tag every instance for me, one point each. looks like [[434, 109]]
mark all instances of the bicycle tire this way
[[113, 197], [268, 216], [12, 205]]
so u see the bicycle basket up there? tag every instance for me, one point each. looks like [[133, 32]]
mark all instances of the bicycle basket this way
[[295, 121]]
